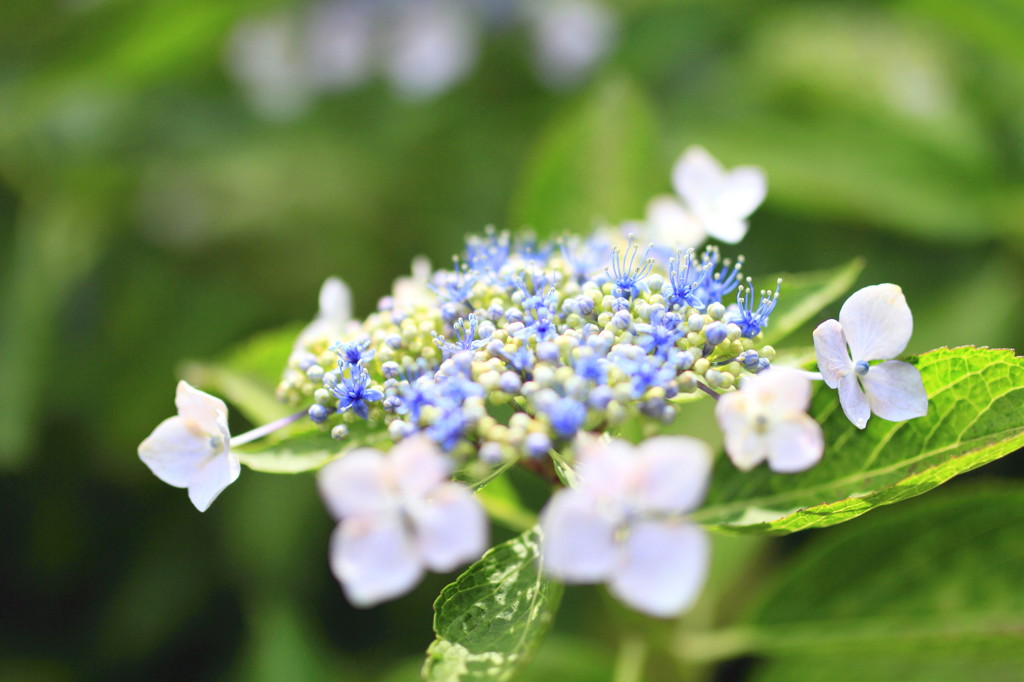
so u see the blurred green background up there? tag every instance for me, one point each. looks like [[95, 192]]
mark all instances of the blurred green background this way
[[176, 176]]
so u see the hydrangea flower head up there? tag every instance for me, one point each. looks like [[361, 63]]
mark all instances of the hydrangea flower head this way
[[875, 323], [767, 420], [624, 524], [192, 449], [399, 516]]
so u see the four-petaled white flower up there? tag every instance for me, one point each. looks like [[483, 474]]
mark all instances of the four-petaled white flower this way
[[398, 516], [876, 324], [715, 202], [624, 523], [767, 420], [192, 450]]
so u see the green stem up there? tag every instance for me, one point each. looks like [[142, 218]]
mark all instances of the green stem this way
[[629, 665]]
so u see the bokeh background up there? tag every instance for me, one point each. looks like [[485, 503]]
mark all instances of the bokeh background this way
[[177, 176]]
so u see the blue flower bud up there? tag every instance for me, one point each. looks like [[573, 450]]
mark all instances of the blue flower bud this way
[[390, 369], [716, 333], [510, 382], [319, 413], [537, 444], [547, 351]]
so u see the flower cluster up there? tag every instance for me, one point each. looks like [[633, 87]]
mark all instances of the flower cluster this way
[[526, 349], [525, 344]]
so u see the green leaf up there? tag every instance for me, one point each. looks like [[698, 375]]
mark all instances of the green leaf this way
[[975, 415], [804, 294], [492, 618], [305, 452], [600, 161], [929, 591]]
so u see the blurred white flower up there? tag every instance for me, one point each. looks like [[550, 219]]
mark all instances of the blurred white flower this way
[[339, 43], [399, 515], [570, 37], [719, 199], [332, 320], [413, 291], [429, 46], [876, 324], [624, 523], [265, 55], [767, 420], [192, 449]]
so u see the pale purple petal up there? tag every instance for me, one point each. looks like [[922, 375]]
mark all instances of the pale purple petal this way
[[796, 443], [895, 391], [176, 450], [745, 447], [579, 540], [217, 474], [451, 527], [202, 408], [833, 359], [855, 405], [672, 473], [374, 559], [417, 465], [780, 389], [606, 467], [876, 322], [357, 484], [661, 568]]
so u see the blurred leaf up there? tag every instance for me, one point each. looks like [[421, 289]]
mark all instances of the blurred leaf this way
[[499, 498], [492, 618], [975, 415], [807, 293], [600, 161], [247, 376], [926, 592], [306, 452]]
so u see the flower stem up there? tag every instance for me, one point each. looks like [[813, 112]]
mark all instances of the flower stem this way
[[707, 389], [629, 664], [267, 429]]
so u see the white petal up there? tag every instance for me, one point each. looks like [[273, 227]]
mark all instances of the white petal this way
[[671, 224], [779, 389], [374, 559], [833, 359], [855, 405], [176, 451], [417, 465], [746, 448], [451, 527], [210, 481], [673, 473], [744, 189], [662, 567], [208, 412], [357, 484], [895, 391], [720, 225], [579, 544], [606, 467], [796, 443], [697, 176], [876, 322], [335, 302]]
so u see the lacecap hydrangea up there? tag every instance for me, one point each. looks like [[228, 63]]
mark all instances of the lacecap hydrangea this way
[[528, 352]]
